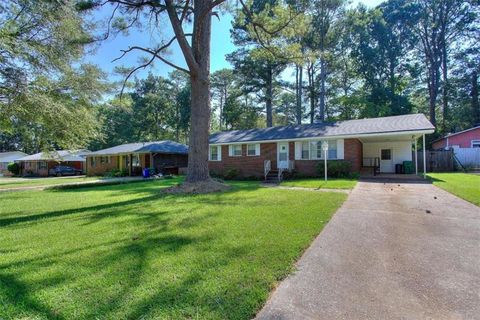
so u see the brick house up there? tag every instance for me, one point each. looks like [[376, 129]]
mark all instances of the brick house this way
[[378, 144], [165, 156], [41, 163]]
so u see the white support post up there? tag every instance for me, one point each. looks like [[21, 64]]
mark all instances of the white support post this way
[[416, 157], [424, 159]]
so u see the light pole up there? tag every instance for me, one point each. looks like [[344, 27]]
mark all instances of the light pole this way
[[325, 156]]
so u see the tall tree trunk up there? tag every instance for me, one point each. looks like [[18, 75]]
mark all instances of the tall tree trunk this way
[[475, 102], [269, 97], [299, 91], [311, 88], [445, 88], [200, 96], [323, 74]]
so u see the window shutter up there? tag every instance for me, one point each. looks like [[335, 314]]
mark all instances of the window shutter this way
[[298, 150], [340, 149], [219, 151], [257, 149]]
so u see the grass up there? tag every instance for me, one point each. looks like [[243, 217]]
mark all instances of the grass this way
[[9, 183], [318, 183], [463, 185], [129, 252]]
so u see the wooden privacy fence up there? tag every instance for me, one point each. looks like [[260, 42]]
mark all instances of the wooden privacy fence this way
[[437, 161], [468, 157]]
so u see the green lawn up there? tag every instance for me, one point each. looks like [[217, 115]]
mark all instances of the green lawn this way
[[129, 252], [9, 183], [320, 183], [463, 185]]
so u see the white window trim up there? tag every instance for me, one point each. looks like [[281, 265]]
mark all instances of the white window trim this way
[[231, 151], [257, 149], [312, 151], [474, 142], [219, 153]]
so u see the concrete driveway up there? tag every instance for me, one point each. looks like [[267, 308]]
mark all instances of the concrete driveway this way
[[392, 251]]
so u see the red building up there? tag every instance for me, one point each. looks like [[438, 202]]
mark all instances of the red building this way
[[469, 138]]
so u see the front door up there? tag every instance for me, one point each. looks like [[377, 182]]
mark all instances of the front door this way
[[386, 160], [282, 155]]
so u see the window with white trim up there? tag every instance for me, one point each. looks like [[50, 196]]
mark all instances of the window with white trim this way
[[93, 162], [305, 155], [214, 153], [475, 143], [135, 160], [42, 165], [235, 150], [253, 149]]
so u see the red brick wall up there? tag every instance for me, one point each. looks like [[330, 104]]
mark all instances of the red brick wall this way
[[101, 168], [253, 165]]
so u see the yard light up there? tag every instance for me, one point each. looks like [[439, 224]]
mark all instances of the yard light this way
[[325, 152]]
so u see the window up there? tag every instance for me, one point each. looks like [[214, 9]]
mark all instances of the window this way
[[235, 150], [93, 162], [215, 153], [305, 150], [386, 154], [253, 149], [332, 149], [102, 160], [475, 143], [135, 160], [42, 165]]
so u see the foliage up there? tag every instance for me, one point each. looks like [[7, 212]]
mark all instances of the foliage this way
[[335, 168], [116, 173], [14, 168]]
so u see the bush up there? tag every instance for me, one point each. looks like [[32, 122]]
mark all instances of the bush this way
[[231, 174], [14, 168], [116, 173], [335, 169]]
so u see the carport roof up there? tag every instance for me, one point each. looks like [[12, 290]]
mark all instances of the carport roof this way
[[57, 155], [165, 146], [372, 126]]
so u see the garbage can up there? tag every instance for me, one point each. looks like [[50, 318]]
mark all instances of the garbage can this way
[[146, 172], [408, 167], [398, 168]]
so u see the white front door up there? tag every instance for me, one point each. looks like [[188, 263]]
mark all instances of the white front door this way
[[282, 155], [386, 160]]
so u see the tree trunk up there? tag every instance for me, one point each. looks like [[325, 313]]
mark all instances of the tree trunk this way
[[323, 74], [311, 88], [475, 102], [200, 96], [299, 113], [269, 97], [445, 88]]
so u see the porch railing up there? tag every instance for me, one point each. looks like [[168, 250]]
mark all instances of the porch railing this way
[[267, 166], [372, 162], [283, 166]]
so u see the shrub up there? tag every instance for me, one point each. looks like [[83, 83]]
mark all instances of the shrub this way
[[231, 174], [115, 173], [14, 168], [335, 169]]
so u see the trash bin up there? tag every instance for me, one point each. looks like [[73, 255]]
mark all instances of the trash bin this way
[[146, 172], [398, 168], [408, 167]]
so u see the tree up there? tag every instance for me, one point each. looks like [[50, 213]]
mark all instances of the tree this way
[[41, 43], [222, 85]]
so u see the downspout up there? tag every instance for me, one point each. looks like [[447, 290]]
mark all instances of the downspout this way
[[424, 159]]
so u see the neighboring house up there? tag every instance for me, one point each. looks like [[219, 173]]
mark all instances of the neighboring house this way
[[39, 164], [164, 156], [378, 143], [465, 144], [469, 138], [8, 157]]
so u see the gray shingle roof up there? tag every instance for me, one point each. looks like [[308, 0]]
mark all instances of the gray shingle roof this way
[[11, 156], [410, 122], [166, 146], [58, 155]]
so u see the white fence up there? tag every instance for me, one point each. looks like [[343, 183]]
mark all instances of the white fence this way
[[468, 157]]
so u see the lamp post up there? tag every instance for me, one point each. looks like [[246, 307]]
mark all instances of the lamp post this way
[[325, 153]]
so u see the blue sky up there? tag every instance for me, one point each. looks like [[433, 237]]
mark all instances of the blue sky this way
[[220, 46]]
